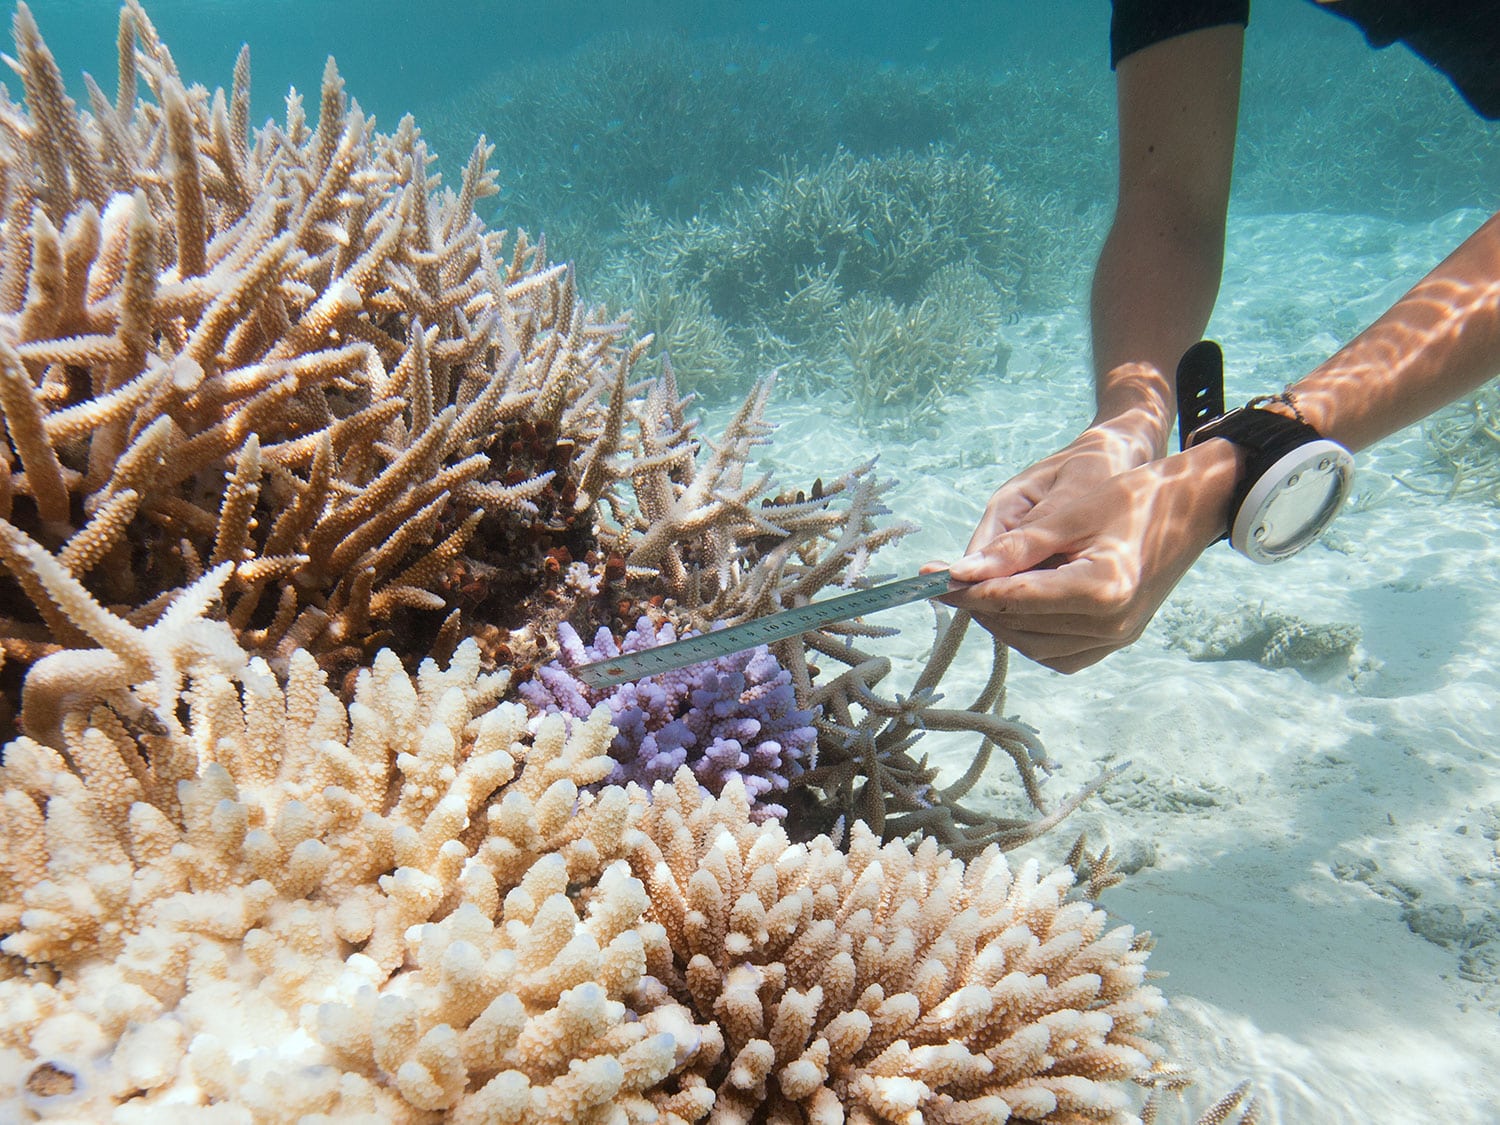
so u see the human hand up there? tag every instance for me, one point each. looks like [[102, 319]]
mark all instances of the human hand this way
[[1069, 585], [1132, 428]]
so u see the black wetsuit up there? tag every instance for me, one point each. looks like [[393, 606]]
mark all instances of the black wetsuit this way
[[1461, 38]]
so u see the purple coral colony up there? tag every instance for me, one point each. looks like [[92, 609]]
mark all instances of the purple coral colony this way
[[731, 718]]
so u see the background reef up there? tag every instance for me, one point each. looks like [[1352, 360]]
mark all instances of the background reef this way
[[908, 209]]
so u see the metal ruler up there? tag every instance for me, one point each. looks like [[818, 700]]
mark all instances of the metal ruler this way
[[764, 630]]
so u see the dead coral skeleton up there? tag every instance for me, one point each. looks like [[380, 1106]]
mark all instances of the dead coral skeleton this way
[[866, 771]]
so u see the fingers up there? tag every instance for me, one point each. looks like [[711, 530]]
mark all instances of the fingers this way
[[1084, 588], [1064, 613], [1008, 508], [1010, 553], [1070, 562], [1089, 628], [1077, 662], [1066, 618], [1060, 651]]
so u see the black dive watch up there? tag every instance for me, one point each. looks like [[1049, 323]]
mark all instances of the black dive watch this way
[[1295, 479]]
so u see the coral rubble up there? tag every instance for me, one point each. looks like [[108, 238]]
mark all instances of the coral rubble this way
[[1273, 640]]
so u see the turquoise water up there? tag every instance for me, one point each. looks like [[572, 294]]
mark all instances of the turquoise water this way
[[662, 153], [1305, 71]]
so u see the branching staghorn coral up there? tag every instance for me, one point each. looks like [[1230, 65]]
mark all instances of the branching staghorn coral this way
[[845, 272], [413, 907], [126, 655], [591, 126], [281, 372], [729, 558], [907, 358], [711, 355], [1311, 149], [284, 353], [730, 549], [883, 225], [1237, 1107]]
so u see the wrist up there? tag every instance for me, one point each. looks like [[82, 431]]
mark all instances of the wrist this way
[[1216, 466], [1291, 480], [1135, 404]]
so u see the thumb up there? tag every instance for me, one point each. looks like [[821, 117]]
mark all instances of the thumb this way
[[1008, 508], [1010, 552]]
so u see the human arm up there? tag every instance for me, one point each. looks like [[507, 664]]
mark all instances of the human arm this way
[[1439, 341], [1158, 272], [1112, 556]]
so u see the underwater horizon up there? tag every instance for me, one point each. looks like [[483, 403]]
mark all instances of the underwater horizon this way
[[750, 301]]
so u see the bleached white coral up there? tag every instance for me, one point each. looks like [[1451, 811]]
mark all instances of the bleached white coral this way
[[886, 984], [297, 908], [414, 909]]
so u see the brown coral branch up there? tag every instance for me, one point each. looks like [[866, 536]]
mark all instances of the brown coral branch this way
[[187, 186], [46, 283], [55, 115], [24, 421], [125, 53], [232, 533], [137, 292], [105, 529]]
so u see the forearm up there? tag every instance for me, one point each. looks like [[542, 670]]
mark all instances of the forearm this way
[[1439, 341], [1154, 289], [1158, 273]]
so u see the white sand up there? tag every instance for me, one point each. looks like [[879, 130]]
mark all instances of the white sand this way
[[1287, 819]]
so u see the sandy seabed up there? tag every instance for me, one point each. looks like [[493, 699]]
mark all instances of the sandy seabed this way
[[1314, 849]]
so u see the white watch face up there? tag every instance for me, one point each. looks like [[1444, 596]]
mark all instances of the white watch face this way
[[1289, 506]]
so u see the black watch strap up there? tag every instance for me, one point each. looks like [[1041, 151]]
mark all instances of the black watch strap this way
[[1200, 388], [1265, 435]]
